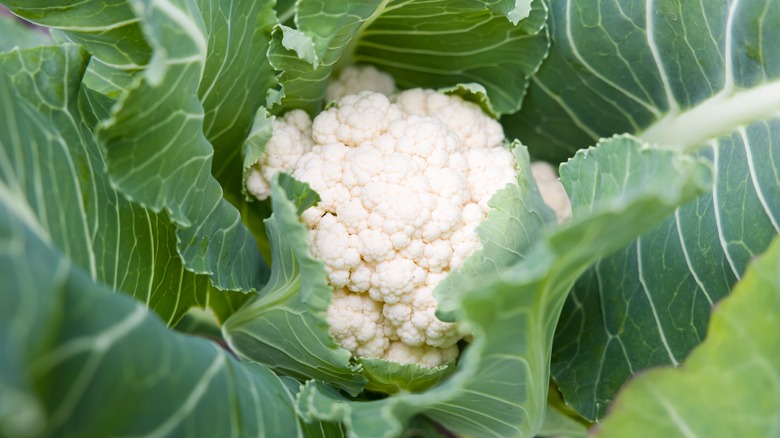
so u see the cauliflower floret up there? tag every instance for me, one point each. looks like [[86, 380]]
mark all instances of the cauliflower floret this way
[[332, 243], [426, 356], [290, 140], [552, 190], [403, 184], [357, 324], [416, 324], [354, 79], [488, 173], [474, 128], [355, 119]]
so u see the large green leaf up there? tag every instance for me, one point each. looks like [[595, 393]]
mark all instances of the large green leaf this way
[[284, 327], [500, 387], [422, 44], [81, 361], [730, 385], [649, 304], [699, 76], [236, 79], [52, 169], [109, 29], [671, 72], [158, 154]]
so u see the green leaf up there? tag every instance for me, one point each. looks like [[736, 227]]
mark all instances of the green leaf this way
[[52, 169], [79, 360], [300, 193], [465, 43], [108, 29], [697, 78], [729, 385], [158, 155], [306, 55], [496, 390], [284, 327], [517, 219], [559, 425], [108, 81], [391, 377], [253, 211], [234, 83], [472, 92], [422, 44], [14, 33], [671, 72], [236, 78], [314, 429]]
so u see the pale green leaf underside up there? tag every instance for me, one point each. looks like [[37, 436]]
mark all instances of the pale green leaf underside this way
[[500, 387], [391, 377], [52, 169], [729, 385], [80, 360], [692, 75], [285, 327]]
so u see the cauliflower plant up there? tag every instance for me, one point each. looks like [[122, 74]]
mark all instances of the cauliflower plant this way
[[404, 182]]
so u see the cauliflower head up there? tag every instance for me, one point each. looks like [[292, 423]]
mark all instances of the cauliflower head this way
[[403, 183]]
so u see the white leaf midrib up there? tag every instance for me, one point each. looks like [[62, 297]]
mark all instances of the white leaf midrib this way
[[719, 115]]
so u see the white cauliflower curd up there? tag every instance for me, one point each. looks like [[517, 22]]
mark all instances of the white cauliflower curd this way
[[404, 182]]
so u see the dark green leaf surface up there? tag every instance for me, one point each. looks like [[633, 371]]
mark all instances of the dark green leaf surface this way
[[306, 55], [496, 390], [158, 155], [443, 43], [730, 385], [671, 72], [285, 327], [52, 169], [696, 76], [648, 304], [422, 44], [81, 361]]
